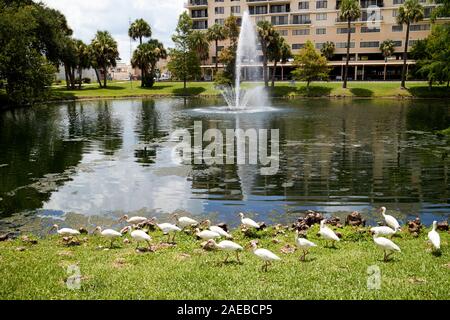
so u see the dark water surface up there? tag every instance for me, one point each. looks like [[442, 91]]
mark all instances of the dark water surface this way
[[90, 162]]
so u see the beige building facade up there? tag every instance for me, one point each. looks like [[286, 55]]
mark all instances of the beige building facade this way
[[318, 21]]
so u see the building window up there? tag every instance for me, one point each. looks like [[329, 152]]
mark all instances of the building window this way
[[220, 21], [344, 30], [297, 46], [218, 0], [279, 20], [397, 43], [395, 13], [258, 10], [321, 16], [342, 45], [219, 10], [397, 28], [300, 32], [412, 42], [283, 32], [280, 8], [319, 45], [322, 4], [202, 24], [301, 19], [369, 44], [399, 1], [303, 5], [321, 30], [203, 13], [368, 30], [419, 27], [236, 9]]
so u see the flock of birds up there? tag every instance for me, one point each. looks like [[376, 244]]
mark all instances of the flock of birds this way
[[215, 232]]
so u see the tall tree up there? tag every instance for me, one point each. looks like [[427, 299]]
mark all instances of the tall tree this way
[[184, 63], [104, 53], [387, 48], [228, 55], [278, 51], [267, 36], [200, 44], [83, 59], [216, 33], [410, 12], [310, 65], [327, 49], [140, 29], [350, 10], [147, 56]]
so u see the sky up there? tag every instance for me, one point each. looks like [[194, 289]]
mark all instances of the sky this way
[[85, 17]]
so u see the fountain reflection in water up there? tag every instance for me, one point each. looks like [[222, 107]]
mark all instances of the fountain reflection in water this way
[[238, 98]]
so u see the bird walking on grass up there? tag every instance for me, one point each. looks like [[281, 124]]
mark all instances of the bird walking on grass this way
[[227, 246], [65, 231], [247, 222], [139, 236], [387, 245], [206, 234], [265, 255], [218, 230], [184, 222], [327, 233], [383, 231], [109, 234], [133, 220], [434, 237], [304, 245], [390, 220], [168, 228]]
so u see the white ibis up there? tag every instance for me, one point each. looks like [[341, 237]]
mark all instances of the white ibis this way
[[327, 233], [65, 231], [434, 237], [139, 236], [226, 245], [218, 230], [109, 234], [184, 222], [206, 234], [168, 228], [133, 220], [385, 244], [383, 231], [265, 255], [390, 220], [304, 245], [248, 222]]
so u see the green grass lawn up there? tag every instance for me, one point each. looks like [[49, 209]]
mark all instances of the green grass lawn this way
[[282, 89], [186, 271]]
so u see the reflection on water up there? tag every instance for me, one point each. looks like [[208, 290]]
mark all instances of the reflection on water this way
[[104, 158]]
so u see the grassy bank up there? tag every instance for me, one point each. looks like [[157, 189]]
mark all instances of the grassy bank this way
[[188, 272], [282, 89]]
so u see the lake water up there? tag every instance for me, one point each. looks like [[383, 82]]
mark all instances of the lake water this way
[[90, 162]]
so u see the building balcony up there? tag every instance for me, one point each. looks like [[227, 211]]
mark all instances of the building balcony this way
[[360, 20], [196, 3]]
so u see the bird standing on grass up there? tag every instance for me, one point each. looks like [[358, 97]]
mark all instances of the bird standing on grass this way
[[434, 237], [248, 222], [383, 231], [218, 230], [206, 234], [265, 255], [228, 246], [133, 220], [390, 220], [65, 231], [139, 236], [109, 234], [327, 233], [168, 228], [184, 222], [304, 245], [387, 245]]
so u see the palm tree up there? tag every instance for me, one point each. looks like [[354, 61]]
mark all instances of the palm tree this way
[[411, 11], [267, 35], [350, 10], [139, 29], [387, 49], [216, 33], [327, 49], [104, 54], [83, 59], [147, 56], [200, 44], [278, 51]]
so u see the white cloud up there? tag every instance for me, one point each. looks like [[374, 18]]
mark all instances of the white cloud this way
[[85, 17]]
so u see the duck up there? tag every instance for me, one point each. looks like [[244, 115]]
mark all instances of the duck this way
[[434, 237], [266, 255], [108, 233], [248, 222], [327, 233], [304, 245], [226, 245], [206, 234], [218, 230], [390, 220], [139, 236], [383, 231], [387, 245]]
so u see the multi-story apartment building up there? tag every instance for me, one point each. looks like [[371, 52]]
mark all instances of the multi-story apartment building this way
[[318, 20]]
